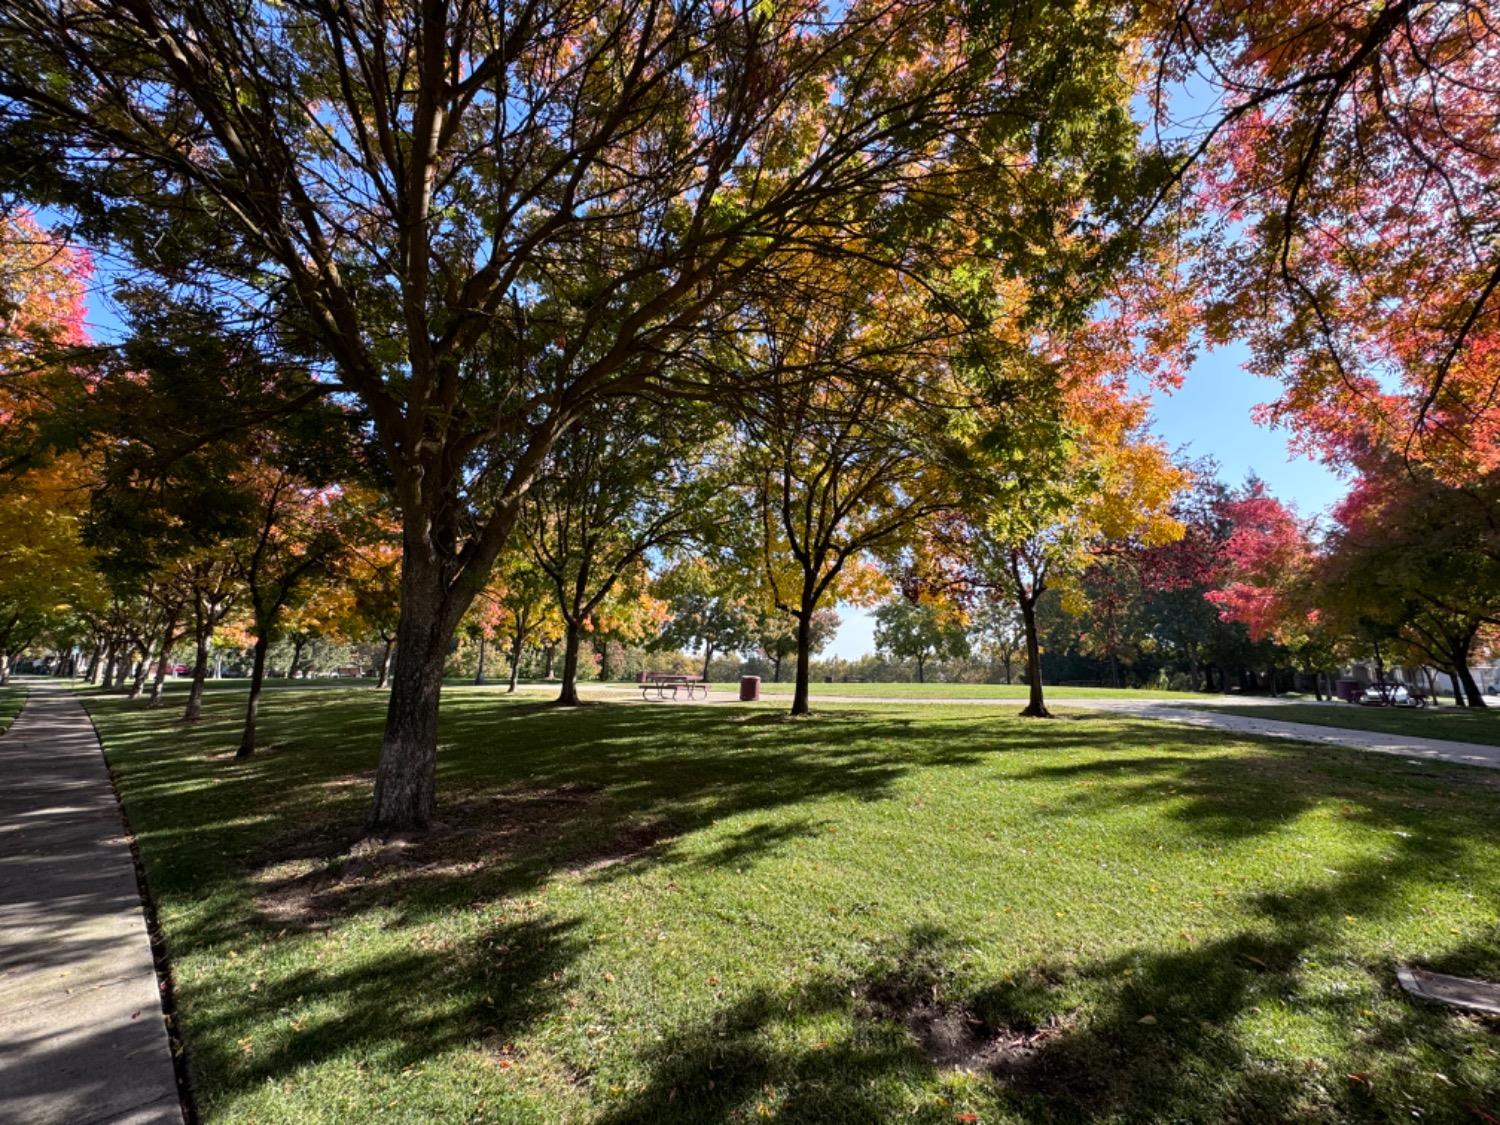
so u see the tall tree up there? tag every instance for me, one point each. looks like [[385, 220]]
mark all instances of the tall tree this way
[[610, 494], [488, 217]]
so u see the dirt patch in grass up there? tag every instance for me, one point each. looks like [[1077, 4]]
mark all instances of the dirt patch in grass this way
[[312, 877], [953, 1035]]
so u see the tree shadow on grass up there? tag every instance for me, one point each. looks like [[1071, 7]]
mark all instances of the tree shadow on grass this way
[[1166, 1032], [533, 792], [389, 1011]]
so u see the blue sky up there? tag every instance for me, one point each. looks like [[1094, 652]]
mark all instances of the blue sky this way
[[1210, 415]]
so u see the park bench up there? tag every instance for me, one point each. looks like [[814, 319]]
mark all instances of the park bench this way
[[659, 682]]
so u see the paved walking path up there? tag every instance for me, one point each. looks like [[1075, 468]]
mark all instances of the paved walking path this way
[[1182, 711], [82, 1039]]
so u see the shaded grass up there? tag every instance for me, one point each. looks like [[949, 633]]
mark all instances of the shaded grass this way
[[643, 914], [1457, 724]]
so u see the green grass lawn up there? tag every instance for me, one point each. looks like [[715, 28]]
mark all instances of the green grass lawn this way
[[954, 691], [699, 914], [1459, 724], [12, 699]]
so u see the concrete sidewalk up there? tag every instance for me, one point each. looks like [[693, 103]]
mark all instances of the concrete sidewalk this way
[[82, 1039]]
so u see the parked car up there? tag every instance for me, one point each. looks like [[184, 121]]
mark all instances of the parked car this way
[[1390, 695]]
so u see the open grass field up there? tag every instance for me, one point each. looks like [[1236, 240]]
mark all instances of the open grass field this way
[[12, 699], [954, 691], [700, 914], [1459, 724]]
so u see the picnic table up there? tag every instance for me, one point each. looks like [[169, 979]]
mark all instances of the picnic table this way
[[659, 682]]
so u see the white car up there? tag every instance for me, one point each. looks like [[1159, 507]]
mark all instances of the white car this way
[[1388, 695]]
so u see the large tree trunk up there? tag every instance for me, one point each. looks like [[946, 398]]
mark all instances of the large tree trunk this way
[[291, 673], [801, 701], [568, 695], [107, 667], [406, 778], [1471, 688], [257, 681], [479, 671], [194, 709], [384, 670], [1458, 688], [1036, 706]]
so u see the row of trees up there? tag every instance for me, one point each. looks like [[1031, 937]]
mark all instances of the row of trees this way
[[853, 296]]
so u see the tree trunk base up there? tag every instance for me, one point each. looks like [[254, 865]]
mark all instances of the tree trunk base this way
[[1035, 711]]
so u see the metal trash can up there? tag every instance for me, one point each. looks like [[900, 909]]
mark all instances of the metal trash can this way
[[749, 689]]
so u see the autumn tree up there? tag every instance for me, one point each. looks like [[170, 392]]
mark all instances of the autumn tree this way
[[1346, 168], [1050, 489], [1417, 558], [709, 603], [608, 496], [487, 220]]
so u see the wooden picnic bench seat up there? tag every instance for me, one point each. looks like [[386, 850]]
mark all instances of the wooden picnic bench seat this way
[[659, 682]]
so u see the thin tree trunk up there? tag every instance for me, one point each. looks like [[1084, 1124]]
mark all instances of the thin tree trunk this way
[[776, 668], [163, 660], [801, 695], [383, 672], [479, 671], [1036, 706], [604, 668], [551, 655], [252, 706], [568, 695], [921, 669], [1271, 681], [708, 655], [194, 709], [142, 670], [516, 645], [122, 671], [291, 673]]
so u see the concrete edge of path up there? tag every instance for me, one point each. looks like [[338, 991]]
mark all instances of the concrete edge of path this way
[[83, 1031]]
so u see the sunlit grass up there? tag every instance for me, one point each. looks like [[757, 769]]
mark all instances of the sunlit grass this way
[[716, 913]]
